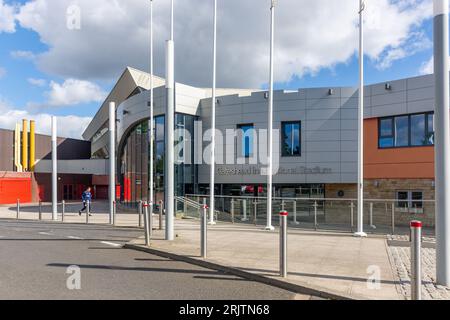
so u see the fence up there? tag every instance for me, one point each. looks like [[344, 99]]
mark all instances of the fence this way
[[381, 215]]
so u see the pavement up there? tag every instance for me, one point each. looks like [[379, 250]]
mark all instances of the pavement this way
[[333, 265], [400, 254], [36, 259]]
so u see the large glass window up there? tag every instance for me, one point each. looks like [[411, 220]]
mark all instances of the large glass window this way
[[291, 138], [135, 160], [406, 131], [246, 136]]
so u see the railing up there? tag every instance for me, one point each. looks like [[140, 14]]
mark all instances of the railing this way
[[380, 215]]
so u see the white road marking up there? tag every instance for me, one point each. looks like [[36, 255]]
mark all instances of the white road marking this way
[[111, 244], [45, 233], [75, 238]]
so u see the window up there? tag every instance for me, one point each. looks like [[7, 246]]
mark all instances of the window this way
[[291, 138], [410, 201], [406, 131], [246, 137]]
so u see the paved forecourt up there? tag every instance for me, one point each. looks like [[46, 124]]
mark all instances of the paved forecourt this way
[[336, 264]]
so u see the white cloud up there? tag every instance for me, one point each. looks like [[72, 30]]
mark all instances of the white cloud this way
[[310, 36], [417, 42], [7, 20], [73, 92], [2, 72], [37, 82], [68, 126], [23, 54], [428, 67]]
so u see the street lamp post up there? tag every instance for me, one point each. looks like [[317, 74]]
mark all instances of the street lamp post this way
[[442, 141], [269, 226], [213, 122], [360, 227]]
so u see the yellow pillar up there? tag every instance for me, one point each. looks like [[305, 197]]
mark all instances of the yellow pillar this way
[[25, 145], [32, 145]]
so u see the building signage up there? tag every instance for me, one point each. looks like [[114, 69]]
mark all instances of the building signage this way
[[255, 170]]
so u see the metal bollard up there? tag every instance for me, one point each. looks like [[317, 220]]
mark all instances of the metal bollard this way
[[255, 213], [416, 260], [371, 216], [204, 230], [150, 219], [315, 215], [232, 210], [244, 209], [295, 222], [161, 214], [18, 209], [352, 213], [63, 210], [88, 211], [140, 211], [40, 210], [393, 218], [114, 212], [146, 224], [283, 243]]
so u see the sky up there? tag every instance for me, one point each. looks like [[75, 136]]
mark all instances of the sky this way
[[62, 57]]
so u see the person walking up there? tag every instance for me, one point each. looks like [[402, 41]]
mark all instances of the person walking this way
[[86, 198]]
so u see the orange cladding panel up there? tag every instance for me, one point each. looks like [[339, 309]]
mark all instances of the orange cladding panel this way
[[13, 189], [394, 163]]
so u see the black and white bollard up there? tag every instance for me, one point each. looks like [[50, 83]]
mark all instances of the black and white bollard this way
[[416, 260], [283, 243], [18, 209], [146, 224], [204, 230]]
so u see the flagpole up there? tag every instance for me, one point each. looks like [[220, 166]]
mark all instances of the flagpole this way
[[151, 191], [169, 133], [442, 141], [269, 226], [213, 122], [360, 227]]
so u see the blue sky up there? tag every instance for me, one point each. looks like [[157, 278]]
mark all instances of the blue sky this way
[[51, 73]]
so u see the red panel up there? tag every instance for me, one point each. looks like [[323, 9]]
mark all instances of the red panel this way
[[13, 189], [118, 192], [41, 190]]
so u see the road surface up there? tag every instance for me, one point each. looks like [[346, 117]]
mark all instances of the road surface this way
[[35, 256]]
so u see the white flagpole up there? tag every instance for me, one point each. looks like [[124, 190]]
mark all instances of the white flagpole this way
[[213, 123], [442, 141], [169, 134], [151, 129], [269, 226], [360, 227]]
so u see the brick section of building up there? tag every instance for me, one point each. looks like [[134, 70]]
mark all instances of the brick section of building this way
[[376, 192]]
